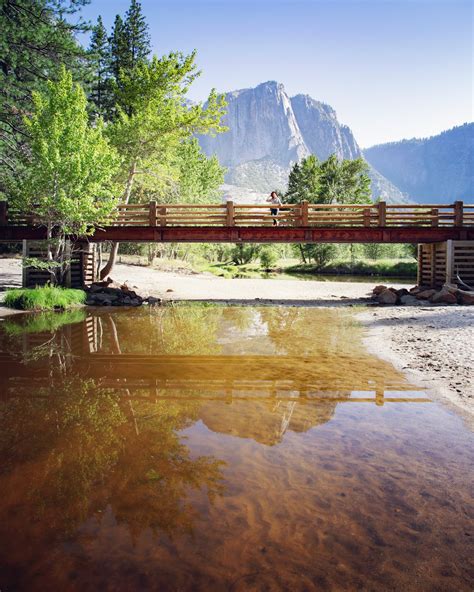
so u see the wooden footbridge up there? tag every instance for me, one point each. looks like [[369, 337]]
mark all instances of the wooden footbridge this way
[[250, 223], [444, 233]]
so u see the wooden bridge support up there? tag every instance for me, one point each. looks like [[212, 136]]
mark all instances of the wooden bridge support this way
[[82, 270], [440, 263]]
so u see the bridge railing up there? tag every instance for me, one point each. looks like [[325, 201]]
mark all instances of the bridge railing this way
[[302, 214]]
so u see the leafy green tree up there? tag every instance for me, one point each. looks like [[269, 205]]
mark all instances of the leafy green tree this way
[[37, 37], [68, 181], [99, 56], [199, 176], [153, 119], [344, 181], [330, 181], [268, 257], [304, 181], [242, 254]]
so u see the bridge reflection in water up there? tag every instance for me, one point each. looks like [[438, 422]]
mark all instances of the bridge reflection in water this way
[[221, 448], [248, 394]]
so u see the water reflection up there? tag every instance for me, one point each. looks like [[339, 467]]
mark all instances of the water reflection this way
[[196, 448]]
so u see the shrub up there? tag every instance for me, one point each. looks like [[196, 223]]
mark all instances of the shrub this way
[[44, 298], [268, 257]]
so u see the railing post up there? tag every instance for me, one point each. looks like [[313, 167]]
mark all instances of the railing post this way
[[458, 213], [3, 213], [163, 216], [434, 217], [152, 213], [366, 214], [382, 207], [230, 213], [304, 213]]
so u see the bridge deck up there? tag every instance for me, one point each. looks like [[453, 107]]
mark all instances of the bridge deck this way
[[297, 223]]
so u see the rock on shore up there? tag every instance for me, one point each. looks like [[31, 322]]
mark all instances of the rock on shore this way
[[449, 294], [109, 293]]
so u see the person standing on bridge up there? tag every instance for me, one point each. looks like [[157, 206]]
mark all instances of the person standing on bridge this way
[[275, 201]]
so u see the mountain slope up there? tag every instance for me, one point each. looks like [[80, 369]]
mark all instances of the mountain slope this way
[[439, 169]]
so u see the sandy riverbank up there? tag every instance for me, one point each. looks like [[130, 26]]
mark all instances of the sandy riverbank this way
[[433, 345]]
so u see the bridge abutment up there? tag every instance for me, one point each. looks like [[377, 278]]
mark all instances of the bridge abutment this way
[[82, 270], [440, 263]]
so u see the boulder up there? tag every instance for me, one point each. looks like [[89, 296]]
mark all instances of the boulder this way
[[112, 294], [444, 297], [104, 297], [402, 292], [387, 297], [409, 300], [378, 290], [426, 294], [152, 301], [465, 297]]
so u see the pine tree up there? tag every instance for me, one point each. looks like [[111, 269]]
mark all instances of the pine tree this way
[[129, 46], [137, 35], [100, 65], [36, 37], [118, 47]]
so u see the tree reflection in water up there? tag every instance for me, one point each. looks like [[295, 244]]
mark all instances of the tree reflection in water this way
[[71, 450]]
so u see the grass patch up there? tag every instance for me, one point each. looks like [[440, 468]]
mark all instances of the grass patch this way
[[42, 322], [44, 298]]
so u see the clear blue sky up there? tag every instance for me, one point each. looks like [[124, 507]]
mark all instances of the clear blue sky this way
[[392, 69]]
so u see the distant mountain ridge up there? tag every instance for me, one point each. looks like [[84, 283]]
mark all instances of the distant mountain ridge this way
[[439, 169], [269, 132]]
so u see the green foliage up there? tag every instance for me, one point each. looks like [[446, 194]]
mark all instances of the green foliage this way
[[68, 181], [153, 119], [37, 37], [331, 181], [99, 61], [268, 257], [241, 253], [44, 298], [136, 35], [321, 253], [303, 181], [344, 181], [382, 268], [199, 177], [377, 251]]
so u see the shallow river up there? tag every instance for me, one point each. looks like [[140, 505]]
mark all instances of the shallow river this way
[[196, 448]]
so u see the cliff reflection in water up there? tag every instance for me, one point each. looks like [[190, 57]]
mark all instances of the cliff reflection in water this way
[[135, 447]]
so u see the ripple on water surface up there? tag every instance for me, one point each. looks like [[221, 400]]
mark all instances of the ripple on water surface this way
[[223, 448]]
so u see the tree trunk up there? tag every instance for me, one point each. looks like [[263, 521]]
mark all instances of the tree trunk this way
[[107, 269], [302, 253]]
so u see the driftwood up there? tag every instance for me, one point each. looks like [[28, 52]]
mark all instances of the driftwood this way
[[463, 284]]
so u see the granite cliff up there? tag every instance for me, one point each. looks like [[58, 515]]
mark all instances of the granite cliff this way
[[269, 131]]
